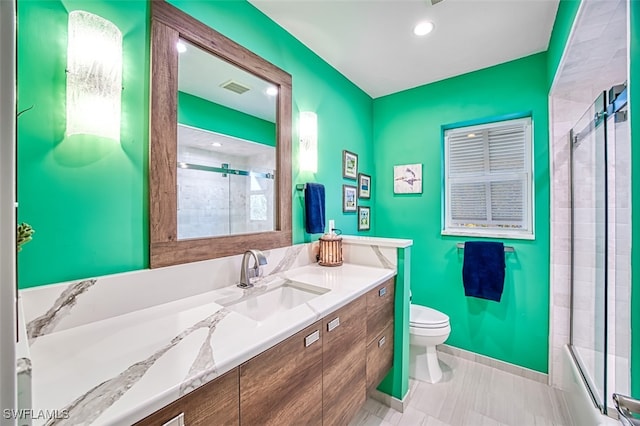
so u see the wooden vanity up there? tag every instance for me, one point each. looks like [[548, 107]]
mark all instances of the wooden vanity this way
[[320, 375]]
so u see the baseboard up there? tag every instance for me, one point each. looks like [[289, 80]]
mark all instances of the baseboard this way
[[390, 401], [495, 363]]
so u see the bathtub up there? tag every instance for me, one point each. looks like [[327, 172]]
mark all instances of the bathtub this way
[[583, 412]]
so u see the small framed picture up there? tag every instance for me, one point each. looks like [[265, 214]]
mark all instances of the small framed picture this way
[[407, 179], [364, 186], [349, 165], [349, 198], [364, 218]]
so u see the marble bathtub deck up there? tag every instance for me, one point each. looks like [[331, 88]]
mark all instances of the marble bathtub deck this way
[[118, 370], [471, 394]]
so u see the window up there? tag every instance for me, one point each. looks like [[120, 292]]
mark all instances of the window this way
[[488, 180]]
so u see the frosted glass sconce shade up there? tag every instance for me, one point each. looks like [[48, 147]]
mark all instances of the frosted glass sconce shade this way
[[308, 141], [94, 76]]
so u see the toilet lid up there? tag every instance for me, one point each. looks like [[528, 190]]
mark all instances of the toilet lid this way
[[421, 316]]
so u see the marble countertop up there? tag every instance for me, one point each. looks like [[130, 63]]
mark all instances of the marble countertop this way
[[379, 241], [119, 370]]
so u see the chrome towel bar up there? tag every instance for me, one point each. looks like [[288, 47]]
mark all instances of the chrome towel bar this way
[[507, 249]]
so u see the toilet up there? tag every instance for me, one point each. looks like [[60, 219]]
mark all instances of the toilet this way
[[427, 328]]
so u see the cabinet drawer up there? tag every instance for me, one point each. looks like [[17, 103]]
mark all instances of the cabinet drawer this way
[[379, 356], [380, 303], [344, 361], [213, 403], [283, 385]]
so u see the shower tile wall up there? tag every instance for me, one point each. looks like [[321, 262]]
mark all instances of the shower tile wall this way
[[565, 113], [595, 59], [588, 251], [243, 218], [221, 202]]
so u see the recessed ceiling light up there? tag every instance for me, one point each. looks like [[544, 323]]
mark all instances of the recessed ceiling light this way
[[471, 135], [181, 47], [423, 28], [216, 144], [272, 91]]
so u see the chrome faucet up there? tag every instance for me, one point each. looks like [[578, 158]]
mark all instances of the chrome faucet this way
[[245, 273]]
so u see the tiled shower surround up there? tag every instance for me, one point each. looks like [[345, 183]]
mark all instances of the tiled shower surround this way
[[227, 204], [595, 60]]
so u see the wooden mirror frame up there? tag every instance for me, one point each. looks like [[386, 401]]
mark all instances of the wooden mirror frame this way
[[168, 24]]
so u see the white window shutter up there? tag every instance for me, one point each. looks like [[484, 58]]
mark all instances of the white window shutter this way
[[488, 177]]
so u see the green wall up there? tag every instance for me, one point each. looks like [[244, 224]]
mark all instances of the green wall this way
[[344, 111], [634, 89], [88, 202], [87, 199], [203, 114], [407, 129]]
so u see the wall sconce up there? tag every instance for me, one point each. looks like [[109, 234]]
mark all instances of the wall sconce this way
[[94, 76], [308, 141]]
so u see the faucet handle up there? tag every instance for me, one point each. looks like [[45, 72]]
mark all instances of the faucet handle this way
[[254, 272]]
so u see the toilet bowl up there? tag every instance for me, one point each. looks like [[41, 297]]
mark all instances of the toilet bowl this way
[[427, 328]]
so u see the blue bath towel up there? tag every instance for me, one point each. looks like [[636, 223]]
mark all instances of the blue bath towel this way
[[314, 208], [483, 270]]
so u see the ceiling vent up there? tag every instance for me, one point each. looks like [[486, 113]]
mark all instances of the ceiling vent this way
[[235, 87]]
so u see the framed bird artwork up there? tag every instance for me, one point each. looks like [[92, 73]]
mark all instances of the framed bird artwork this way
[[407, 179]]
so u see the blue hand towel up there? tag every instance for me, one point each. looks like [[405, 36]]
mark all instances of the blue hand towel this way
[[483, 270], [314, 208]]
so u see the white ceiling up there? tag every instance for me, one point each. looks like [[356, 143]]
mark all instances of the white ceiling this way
[[200, 74], [372, 43]]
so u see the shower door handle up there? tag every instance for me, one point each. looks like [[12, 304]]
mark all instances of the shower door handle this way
[[627, 407]]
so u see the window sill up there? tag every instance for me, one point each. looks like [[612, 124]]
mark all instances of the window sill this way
[[489, 234]]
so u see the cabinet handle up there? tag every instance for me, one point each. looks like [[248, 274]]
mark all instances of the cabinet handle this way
[[382, 292], [312, 338], [331, 325], [382, 341], [176, 421]]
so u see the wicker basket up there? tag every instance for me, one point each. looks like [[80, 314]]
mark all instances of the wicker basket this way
[[330, 250]]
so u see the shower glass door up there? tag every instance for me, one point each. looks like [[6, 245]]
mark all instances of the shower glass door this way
[[619, 248], [589, 248]]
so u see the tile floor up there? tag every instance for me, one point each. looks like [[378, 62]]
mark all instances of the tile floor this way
[[471, 394]]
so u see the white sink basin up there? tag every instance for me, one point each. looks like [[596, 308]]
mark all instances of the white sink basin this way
[[260, 303]]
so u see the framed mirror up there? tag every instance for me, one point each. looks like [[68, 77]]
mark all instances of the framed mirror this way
[[220, 155]]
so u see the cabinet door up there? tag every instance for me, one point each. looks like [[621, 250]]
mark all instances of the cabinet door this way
[[215, 403], [283, 385], [379, 357], [379, 309], [344, 361]]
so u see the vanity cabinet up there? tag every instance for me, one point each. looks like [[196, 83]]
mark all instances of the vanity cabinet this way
[[379, 357], [344, 363], [283, 385], [318, 376], [215, 403], [380, 323]]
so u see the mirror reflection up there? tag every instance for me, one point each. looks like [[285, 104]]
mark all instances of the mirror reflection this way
[[226, 147]]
